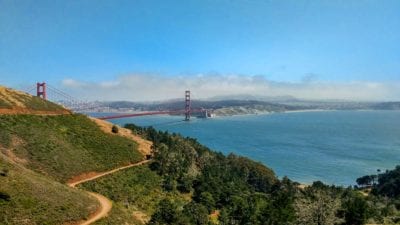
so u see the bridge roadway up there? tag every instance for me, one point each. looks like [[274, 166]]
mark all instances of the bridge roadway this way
[[148, 114]]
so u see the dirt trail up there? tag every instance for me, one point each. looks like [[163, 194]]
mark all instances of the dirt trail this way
[[105, 208], [73, 182], [105, 204]]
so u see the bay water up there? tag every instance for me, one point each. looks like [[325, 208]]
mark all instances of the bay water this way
[[334, 147]]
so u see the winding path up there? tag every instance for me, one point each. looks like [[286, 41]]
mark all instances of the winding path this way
[[105, 208], [144, 146], [105, 203]]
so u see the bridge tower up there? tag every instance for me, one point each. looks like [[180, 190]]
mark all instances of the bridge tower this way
[[41, 90], [187, 105]]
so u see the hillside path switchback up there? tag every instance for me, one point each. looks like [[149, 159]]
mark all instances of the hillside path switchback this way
[[105, 203]]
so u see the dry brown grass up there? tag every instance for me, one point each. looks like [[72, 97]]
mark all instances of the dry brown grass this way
[[10, 96], [18, 102]]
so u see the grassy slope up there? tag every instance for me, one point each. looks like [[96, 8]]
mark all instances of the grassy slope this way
[[10, 99], [59, 147], [30, 198], [66, 145], [119, 215], [138, 188]]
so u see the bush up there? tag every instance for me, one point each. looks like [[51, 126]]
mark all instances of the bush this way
[[114, 129], [4, 172], [167, 213], [185, 184], [169, 184], [356, 211], [4, 196]]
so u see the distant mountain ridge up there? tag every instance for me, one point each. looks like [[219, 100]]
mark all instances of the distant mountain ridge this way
[[279, 99], [249, 106]]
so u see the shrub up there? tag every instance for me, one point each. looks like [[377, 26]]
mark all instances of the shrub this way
[[114, 129], [4, 172], [4, 196]]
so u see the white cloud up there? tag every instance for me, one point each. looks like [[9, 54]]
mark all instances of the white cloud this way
[[139, 87], [72, 83]]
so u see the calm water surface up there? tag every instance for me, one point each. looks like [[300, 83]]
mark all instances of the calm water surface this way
[[335, 147]]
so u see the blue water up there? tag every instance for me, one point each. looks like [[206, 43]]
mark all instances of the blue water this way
[[335, 147]]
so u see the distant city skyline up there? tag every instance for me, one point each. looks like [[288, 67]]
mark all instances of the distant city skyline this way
[[153, 50]]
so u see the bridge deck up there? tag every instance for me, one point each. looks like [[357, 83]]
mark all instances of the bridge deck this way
[[147, 114]]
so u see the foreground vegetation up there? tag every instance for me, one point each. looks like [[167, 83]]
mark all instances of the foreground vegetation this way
[[32, 199], [65, 145], [139, 188], [188, 184]]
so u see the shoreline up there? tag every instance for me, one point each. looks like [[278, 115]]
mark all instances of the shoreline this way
[[312, 110], [251, 114]]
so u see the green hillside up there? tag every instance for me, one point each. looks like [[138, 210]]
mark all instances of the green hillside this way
[[65, 145], [29, 198], [39, 153]]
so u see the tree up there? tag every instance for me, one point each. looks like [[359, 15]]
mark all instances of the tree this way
[[169, 183], [319, 208], [389, 183], [196, 213], [374, 178], [281, 211], [207, 200], [185, 184], [167, 213], [356, 210], [364, 181]]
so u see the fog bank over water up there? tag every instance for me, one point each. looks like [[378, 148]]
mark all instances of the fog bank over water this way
[[150, 87]]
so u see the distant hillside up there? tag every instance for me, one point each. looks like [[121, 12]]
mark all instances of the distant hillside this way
[[387, 106], [229, 107], [220, 107], [17, 102], [274, 99]]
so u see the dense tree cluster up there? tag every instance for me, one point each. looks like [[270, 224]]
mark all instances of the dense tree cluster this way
[[367, 180], [241, 191], [389, 183], [385, 195]]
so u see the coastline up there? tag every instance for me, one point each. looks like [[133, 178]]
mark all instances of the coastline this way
[[218, 115], [311, 110]]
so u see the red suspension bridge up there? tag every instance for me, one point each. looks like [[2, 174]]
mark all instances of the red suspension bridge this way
[[51, 93]]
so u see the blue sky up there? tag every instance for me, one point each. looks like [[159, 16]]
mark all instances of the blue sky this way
[[281, 41]]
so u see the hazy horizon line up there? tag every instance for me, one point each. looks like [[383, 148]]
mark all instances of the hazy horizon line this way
[[156, 87]]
